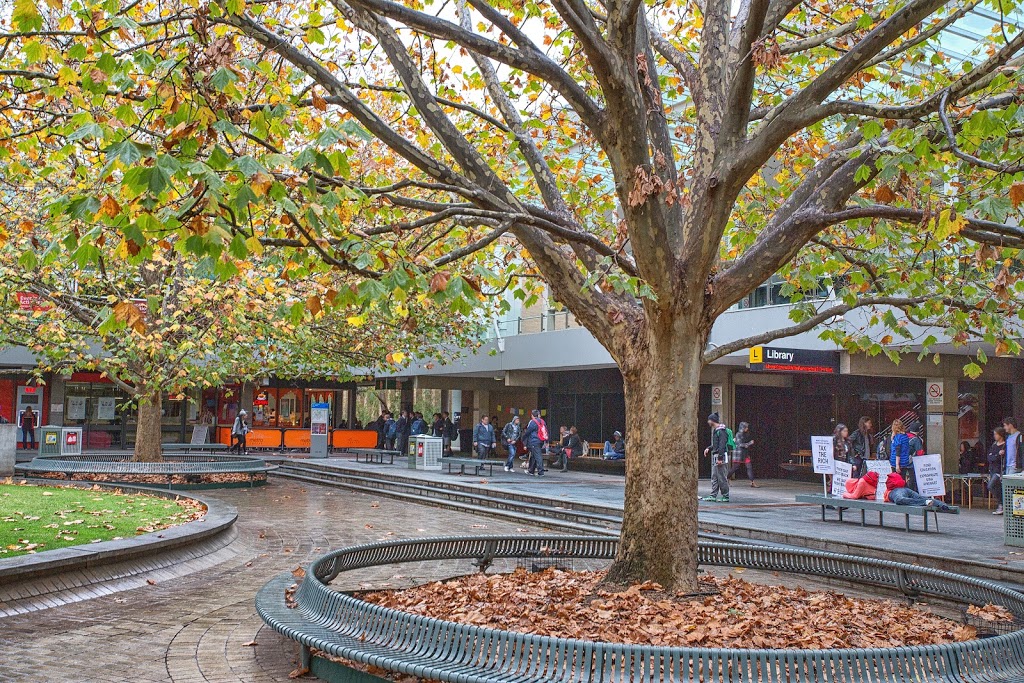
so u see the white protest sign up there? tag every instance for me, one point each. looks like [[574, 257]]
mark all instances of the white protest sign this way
[[822, 454], [882, 468], [841, 472], [928, 475]]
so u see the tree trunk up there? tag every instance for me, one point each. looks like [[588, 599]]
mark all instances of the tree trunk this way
[[148, 433], [659, 530]]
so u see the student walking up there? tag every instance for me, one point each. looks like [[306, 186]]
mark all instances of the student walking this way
[[719, 451], [741, 457], [535, 436], [483, 437], [509, 437], [28, 428], [1013, 455], [238, 431]]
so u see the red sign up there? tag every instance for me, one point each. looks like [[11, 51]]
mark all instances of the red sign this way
[[30, 301], [30, 390], [71, 438], [261, 399]]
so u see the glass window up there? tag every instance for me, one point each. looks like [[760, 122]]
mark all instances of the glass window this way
[[264, 407], [289, 408]]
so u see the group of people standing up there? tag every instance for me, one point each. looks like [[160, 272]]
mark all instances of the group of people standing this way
[[394, 434], [533, 438]]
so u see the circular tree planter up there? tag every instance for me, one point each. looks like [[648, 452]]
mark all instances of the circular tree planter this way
[[178, 471], [323, 619]]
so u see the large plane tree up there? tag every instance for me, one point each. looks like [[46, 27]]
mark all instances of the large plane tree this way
[[652, 162]]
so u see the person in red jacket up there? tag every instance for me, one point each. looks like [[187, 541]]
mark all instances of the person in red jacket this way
[[863, 488], [896, 491]]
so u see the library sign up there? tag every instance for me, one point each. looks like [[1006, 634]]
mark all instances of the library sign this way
[[775, 359]]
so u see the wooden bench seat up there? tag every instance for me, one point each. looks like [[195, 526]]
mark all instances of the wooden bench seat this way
[[477, 465], [374, 455]]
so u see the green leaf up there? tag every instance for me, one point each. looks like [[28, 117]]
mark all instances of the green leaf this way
[[222, 78], [972, 370], [26, 16]]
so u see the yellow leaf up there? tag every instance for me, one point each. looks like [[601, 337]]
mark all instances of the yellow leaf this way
[[396, 357], [355, 320], [254, 245], [948, 223]]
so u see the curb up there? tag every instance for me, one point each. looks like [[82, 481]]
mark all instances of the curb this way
[[219, 517]]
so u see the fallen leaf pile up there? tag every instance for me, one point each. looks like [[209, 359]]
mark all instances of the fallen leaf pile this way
[[991, 613], [160, 479], [739, 614]]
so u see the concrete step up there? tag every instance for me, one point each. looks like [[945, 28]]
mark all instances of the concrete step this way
[[473, 503]]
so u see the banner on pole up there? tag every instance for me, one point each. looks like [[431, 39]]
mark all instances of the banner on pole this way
[[822, 454]]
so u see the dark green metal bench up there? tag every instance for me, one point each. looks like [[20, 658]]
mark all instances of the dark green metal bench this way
[[374, 455], [840, 504], [341, 625], [194, 447], [192, 466], [477, 465]]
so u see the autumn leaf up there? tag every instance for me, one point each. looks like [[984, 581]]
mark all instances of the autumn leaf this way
[[884, 194], [1016, 194]]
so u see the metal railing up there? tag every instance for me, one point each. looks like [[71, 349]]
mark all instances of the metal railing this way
[[344, 626]]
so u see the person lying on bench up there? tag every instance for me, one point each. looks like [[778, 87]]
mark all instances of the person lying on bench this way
[[896, 491], [865, 487]]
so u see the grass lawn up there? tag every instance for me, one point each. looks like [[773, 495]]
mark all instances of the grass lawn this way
[[38, 518]]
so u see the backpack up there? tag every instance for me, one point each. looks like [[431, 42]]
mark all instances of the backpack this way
[[730, 440], [391, 429], [542, 430]]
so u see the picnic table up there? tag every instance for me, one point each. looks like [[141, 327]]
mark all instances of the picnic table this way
[[374, 455], [477, 465], [964, 483]]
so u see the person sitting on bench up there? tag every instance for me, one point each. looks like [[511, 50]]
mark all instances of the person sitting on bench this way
[[896, 491], [616, 448], [863, 488]]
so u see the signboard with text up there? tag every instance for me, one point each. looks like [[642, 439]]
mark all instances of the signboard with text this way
[[928, 475], [882, 468], [822, 454], [934, 391], [777, 359], [842, 472]]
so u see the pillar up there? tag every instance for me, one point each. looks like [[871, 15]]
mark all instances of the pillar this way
[[55, 397], [942, 421]]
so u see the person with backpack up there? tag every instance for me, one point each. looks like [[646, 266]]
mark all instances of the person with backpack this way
[[743, 441], [419, 425], [722, 442], [899, 450], [390, 431], [535, 436], [509, 437]]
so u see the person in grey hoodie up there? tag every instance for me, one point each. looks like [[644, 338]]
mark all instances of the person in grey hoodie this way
[[509, 436]]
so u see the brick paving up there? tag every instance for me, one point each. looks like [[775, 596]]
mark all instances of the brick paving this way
[[197, 628]]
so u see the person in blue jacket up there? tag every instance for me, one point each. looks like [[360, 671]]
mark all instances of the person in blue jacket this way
[[899, 451]]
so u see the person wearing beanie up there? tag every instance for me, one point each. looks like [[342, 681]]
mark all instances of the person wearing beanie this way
[[719, 451], [896, 491]]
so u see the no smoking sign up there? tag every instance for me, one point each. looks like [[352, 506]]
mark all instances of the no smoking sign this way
[[934, 392]]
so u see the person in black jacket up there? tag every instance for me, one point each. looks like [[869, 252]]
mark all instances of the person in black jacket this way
[[535, 436], [719, 452], [862, 450], [744, 442], [403, 428]]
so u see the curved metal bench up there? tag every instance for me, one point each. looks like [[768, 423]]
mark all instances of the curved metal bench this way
[[344, 626], [188, 465]]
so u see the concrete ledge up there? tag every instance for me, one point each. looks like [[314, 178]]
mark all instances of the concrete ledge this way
[[219, 518]]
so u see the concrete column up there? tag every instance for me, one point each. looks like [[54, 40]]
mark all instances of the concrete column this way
[[55, 399], [8, 448], [245, 401], [942, 424]]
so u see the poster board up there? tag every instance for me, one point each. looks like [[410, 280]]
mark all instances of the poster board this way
[[76, 408], [106, 408], [200, 434], [822, 454], [882, 468], [928, 475], [842, 471]]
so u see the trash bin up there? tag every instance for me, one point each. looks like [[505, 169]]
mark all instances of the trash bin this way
[[1013, 510], [49, 440], [428, 452], [466, 440], [71, 441]]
